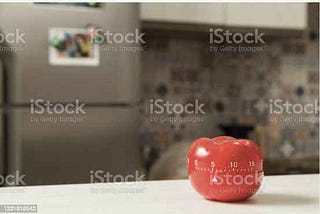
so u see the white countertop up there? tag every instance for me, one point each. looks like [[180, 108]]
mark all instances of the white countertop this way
[[278, 194]]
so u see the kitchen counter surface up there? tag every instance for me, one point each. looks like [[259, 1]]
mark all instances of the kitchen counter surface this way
[[278, 194]]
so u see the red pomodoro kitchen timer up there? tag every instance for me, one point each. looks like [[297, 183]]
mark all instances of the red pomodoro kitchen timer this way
[[224, 168]]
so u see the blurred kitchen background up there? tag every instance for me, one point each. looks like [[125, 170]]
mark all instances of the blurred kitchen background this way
[[117, 133]]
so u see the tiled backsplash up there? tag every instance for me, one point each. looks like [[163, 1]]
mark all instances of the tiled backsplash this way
[[236, 88]]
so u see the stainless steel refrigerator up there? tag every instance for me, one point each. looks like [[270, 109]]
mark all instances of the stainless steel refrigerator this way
[[107, 138]]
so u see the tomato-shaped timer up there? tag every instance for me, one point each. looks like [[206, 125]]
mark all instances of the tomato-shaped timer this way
[[224, 168]]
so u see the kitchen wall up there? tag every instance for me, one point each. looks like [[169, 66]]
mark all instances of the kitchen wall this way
[[237, 89]]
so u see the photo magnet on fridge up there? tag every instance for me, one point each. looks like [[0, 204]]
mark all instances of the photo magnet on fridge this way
[[72, 47]]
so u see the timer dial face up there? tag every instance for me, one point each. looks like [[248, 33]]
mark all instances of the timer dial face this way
[[225, 168]]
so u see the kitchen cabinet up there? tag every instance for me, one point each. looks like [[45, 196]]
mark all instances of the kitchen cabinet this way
[[266, 15], [276, 15], [203, 13]]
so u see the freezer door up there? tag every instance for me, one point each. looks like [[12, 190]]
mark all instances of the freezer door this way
[[65, 151], [114, 80]]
